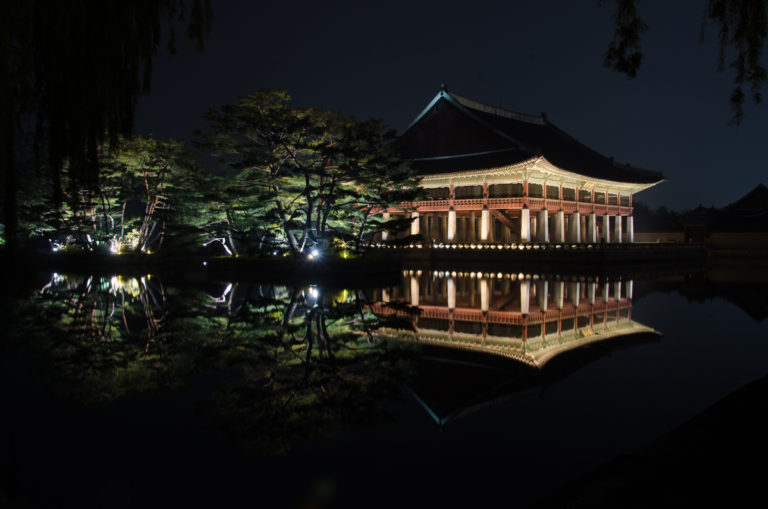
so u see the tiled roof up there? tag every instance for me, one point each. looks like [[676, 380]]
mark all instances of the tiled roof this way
[[455, 133]]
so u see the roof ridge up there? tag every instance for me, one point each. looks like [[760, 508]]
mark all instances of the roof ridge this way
[[495, 110], [458, 156]]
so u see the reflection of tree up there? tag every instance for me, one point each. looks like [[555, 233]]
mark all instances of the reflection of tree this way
[[296, 362]]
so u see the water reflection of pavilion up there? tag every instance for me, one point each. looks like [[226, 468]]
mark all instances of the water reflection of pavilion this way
[[523, 317]]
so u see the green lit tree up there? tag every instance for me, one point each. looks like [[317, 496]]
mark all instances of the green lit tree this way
[[309, 176], [145, 187]]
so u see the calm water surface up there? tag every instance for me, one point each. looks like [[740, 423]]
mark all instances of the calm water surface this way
[[448, 387]]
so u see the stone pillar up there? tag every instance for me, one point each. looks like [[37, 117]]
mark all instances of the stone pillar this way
[[574, 230], [385, 234], [525, 296], [414, 290], [525, 225], [574, 290], [451, 291], [559, 227], [485, 295], [543, 226], [606, 228], [415, 223], [617, 230], [485, 225], [592, 228], [630, 229], [558, 294], [541, 295], [443, 234], [471, 227]]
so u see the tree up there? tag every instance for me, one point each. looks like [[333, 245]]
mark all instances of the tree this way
[[71, 72], [742, 27], [311, 176], [145, 187]]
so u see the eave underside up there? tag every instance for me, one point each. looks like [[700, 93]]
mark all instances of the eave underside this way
[[535, 170]]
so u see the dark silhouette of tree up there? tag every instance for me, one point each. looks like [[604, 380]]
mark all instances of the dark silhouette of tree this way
[[71, 73], [742, 27]]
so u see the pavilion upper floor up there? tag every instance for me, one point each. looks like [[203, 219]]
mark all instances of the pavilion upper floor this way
[[534, 184]]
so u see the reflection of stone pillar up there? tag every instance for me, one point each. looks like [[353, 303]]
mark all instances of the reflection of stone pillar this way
[[485, 296], [542, 222], [559, 227], [485, 225], [415, 223], [606, 228], [617, 230], [414, 290], [591, 292], [385, 234], [385, 295], [558, 292], [451, 237], [630, 229], [592, 228], [541, 295], [525, 225], [573, 292], [629, 289], [605, 291], [574, 232], [617, 290], [525, 296], [451, 291]]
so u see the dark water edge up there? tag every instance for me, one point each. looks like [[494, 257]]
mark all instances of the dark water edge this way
[[716, 458]]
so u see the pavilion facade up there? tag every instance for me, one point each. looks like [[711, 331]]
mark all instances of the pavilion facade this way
[[495, 176]]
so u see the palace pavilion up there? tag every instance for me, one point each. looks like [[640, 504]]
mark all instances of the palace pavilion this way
[[495, 176]]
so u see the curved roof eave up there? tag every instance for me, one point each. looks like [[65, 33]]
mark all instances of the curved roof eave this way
[[545, 167]]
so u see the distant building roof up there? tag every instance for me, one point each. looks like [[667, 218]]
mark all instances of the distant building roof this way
[[455, 133], [754, 201]]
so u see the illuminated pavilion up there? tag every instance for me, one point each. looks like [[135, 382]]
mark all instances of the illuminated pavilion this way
[[496, 176]]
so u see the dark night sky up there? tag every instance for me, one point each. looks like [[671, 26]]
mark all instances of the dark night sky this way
[[387, 60]]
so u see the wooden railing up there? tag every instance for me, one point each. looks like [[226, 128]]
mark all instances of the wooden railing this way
[[516, 203]]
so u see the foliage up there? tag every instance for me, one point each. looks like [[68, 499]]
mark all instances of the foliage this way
[[659, 220], [144, 187], [742, 27], [306, 175]]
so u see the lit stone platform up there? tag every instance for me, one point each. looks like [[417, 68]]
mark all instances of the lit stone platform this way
[[549, 253]]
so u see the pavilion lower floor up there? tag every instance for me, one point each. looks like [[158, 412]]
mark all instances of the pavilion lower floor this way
[[519, 225]]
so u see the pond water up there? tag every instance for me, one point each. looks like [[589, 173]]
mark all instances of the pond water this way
[[446, 387]]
